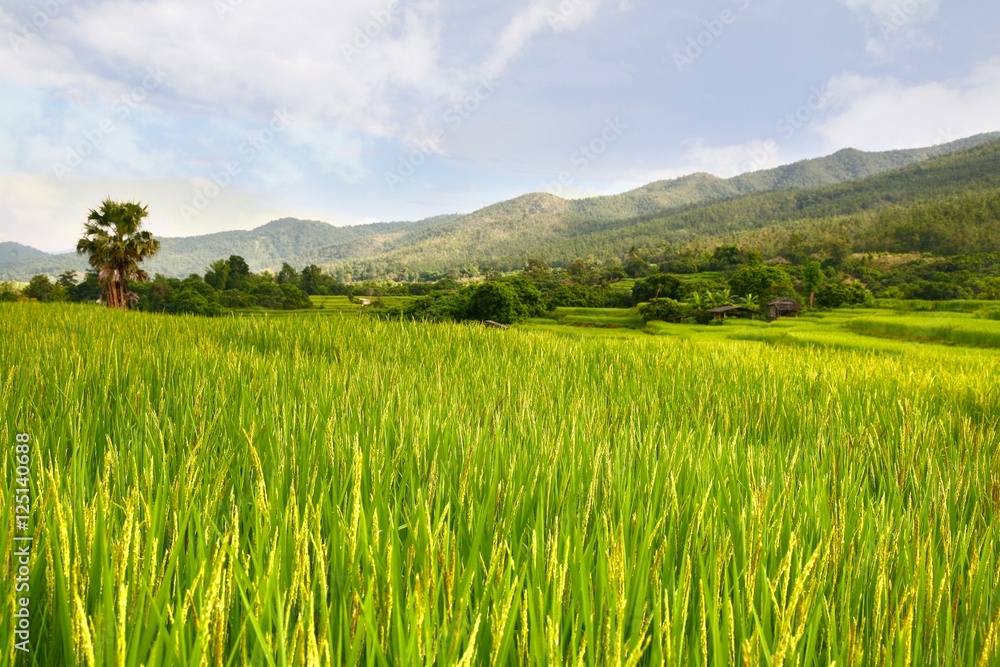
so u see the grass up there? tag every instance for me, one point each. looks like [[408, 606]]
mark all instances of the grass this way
[[951, 329], [598, 317], [247, 491], [966, 306]]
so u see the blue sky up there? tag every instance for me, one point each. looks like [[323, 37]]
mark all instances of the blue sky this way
[[225, 114]]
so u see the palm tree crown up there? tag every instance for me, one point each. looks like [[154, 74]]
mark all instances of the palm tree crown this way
[[113, 239]]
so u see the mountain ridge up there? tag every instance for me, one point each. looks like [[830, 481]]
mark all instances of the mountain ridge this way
[[539, 220]]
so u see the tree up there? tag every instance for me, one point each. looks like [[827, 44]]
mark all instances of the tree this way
[[813, 278], [116, 245], [495, 301], [761, 279], [67, 279], [288, 275], [89, 290], [750, 302], [239, 272], [314, 281], [218, 274], [661, 310], [657, 286], [536, 269], [39, 288], [728, 257], [839, 294]]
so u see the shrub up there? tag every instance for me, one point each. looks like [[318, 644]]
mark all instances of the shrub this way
[[839, 294], [9, 292], [192, 302], [661, 310]]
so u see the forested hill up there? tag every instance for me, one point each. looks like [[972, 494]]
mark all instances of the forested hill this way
[[536, 224], [565, 233], [13, 252], [692, 209]]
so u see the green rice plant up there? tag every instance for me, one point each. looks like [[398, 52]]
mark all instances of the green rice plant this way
[[346, 491], [959, 306], [954, 330]]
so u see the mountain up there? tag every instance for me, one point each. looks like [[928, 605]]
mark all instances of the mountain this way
[[949, 204], [543, 225], [265, 247], [13, 252]]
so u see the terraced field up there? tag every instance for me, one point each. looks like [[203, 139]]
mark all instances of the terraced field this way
[[312, 490]]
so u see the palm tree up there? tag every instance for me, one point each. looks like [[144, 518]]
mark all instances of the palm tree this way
[[115, 244], [750, 302]]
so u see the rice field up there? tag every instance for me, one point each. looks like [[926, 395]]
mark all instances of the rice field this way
[[344, 491]]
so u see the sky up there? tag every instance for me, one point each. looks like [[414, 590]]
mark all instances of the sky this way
[[226, 114]]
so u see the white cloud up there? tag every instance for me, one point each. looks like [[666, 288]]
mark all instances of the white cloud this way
[[885, 114], [314, 57], [540, 16], [734, 159]]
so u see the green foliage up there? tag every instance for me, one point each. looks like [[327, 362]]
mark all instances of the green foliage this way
[[762, 280], [496, 301], [731, 257], [289, 276], [67, 279], [89, 289], [38, 288], [9, 292], [41, 288], [218, 274], [239, 272], [661, 310], [840, 294], [813, 276], [657, 286]]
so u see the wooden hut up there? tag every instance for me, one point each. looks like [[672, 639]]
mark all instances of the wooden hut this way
[[782, 308]]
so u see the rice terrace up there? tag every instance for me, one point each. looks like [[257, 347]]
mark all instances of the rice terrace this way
[[336, 490]]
